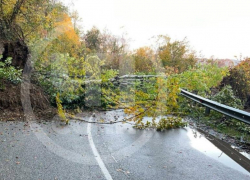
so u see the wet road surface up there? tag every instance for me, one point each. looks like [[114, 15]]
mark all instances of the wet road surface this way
[[82, 150]]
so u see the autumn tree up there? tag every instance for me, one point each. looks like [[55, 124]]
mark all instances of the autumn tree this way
[[76, 20], [92, 40], [175, 54], [115, 48], [239, 80], [107, 46], [143, 58], [66, 39], [11, 34], [22, 22]]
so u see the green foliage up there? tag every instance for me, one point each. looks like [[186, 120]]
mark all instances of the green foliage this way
[[60, 76], [239, 80], [175, 54], [93, 39], [161, 98], [158, 97], [202, 78], [108, 74], [199, 79], [93, 66], [226, 96], [217, 120], [80, 82], [79, 70], [28, 20], [170, 122], [8, 72], [165, 123]]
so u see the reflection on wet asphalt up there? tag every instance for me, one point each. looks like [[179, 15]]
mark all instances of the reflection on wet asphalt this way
[[49, 150], [204, 145]]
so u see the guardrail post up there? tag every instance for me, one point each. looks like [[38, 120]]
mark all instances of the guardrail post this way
[[141, 84], [207, 111]]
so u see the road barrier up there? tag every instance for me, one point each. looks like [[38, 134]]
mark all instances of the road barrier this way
[[209, 104], [227, 110]]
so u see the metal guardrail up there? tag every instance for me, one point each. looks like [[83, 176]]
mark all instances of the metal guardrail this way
[[209, 104], [227, 110], [140, 76]]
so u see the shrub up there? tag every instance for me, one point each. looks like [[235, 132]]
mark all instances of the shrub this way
[[60, 110], [239, 80], [226, 96], [8, 72]]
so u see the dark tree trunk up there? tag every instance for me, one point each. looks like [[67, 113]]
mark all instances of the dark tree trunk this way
[[11, 37], [18, 51]]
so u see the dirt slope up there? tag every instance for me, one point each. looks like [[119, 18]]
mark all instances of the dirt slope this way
[[11, 104]]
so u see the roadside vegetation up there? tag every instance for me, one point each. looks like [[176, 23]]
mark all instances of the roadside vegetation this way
[[74, 67]]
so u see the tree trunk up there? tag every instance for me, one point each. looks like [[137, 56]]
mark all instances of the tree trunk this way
[[18, 51]]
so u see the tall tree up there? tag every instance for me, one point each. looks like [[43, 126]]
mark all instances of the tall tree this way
[[175, 54], [24, 21], [106, 46], [144, 58], [93, 40]]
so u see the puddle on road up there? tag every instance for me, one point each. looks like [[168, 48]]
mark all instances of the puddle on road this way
[[245, 154], [201, 143], [198, 141]]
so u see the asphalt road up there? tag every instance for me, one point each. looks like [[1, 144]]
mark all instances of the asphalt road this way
[[82, 150]]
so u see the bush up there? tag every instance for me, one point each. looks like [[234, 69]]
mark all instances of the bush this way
[[239, 80], [226, 96], [8, 72]]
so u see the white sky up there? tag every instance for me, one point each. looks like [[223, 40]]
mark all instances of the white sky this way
[[215, 27]]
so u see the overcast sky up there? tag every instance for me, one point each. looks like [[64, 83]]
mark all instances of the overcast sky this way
[[215, 27]]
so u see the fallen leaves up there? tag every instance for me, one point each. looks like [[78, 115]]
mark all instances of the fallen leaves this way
[[121, 170]]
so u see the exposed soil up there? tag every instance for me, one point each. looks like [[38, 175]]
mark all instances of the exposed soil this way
[[11, 108]]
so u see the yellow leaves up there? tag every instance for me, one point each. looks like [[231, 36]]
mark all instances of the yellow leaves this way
[[171, 70], [202, 78], [60, 110], [176, 54], [141, 110], [225, 72], [65, 39], [145, 52], [141, 94], [144, 59], [8, 6], [245, 66], [173, 90], [68, 38], [129, 110]]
